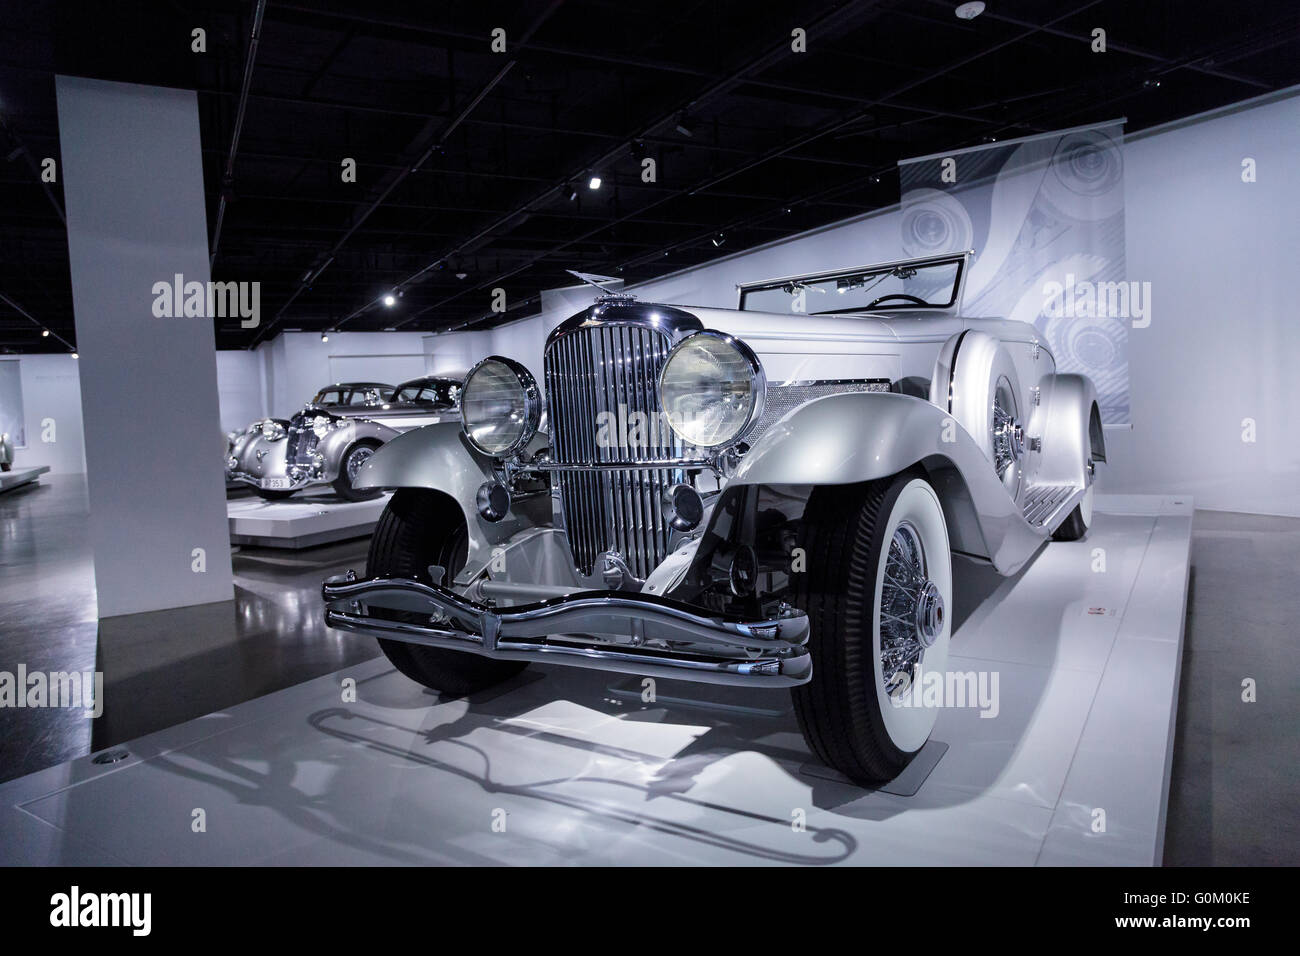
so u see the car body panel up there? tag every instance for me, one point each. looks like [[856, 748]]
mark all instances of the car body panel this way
[[848, 398]]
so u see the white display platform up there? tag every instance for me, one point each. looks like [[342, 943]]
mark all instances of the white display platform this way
[[21, 476], [302, 521], [581, 771]]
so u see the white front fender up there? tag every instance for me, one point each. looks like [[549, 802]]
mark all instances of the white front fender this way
[[863, 436]]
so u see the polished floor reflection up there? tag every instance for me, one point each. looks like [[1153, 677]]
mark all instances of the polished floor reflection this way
[[162, 667], [1233, 793]]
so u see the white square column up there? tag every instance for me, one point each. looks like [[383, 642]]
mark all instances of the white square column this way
[[132, 173]]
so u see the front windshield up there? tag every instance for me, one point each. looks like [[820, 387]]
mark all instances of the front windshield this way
[[929, 286]]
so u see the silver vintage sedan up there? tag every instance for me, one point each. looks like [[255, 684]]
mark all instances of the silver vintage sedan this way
[[328, 441]]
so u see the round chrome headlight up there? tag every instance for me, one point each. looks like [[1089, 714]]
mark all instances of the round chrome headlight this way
[[321, 425], [272, 430], [712, 389], [500, 406]]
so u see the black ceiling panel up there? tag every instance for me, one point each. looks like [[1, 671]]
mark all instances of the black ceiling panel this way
[[467, 158]]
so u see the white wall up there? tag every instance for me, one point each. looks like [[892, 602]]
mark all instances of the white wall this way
[[240, 388], [455, 351], [1224, 339], [278, 377], [51, 391], [1222, 345]]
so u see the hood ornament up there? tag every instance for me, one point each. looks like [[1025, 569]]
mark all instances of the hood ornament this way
[[607, 295]]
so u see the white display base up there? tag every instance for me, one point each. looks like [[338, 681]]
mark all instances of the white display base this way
[[583, 772], [302, 521], [10, 480]]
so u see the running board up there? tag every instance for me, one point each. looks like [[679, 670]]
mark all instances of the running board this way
[[1045, 504]]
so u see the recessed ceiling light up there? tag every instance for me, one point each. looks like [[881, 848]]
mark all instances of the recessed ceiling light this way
[[969, 11]]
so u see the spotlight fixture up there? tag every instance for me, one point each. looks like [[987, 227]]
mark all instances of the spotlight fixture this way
[[461, 275], [719, 239], [45, 333], [593, 183], [573, 192], [325, 336], [390, 300], [969, 11], [685, 125], [1151, 84], [75, 355]]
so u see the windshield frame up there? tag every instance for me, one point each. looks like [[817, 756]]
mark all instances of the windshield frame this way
[[961, 259]]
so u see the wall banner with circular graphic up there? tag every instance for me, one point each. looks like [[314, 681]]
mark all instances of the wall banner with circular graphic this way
[[1045, 216]]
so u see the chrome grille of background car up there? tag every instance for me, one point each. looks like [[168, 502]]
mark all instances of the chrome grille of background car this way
[[591, 370], [302, 440]]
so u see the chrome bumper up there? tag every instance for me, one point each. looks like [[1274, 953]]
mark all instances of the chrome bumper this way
[[717, 655], [244, 478]]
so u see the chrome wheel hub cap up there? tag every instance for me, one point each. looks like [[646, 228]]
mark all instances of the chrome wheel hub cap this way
[[1008, 437], [356, 460], [911, 610], [929, 614]]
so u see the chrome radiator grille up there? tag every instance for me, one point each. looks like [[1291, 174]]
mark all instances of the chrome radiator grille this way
[[302, 440], [601, 375]]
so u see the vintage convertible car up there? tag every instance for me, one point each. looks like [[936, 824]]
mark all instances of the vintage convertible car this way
[[335, 434], [767, 496]]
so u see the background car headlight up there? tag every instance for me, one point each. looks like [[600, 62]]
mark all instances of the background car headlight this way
[[321, 425], [712, 389], [500, 406], [272, 431]]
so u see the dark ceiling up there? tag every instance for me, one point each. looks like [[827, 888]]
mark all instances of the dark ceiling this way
[[467, 159]]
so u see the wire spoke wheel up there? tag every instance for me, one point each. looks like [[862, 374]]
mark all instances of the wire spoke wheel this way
[[1008, 436], [877, 589], [358, 457]]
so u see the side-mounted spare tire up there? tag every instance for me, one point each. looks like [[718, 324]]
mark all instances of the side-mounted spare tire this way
[[977, 383]]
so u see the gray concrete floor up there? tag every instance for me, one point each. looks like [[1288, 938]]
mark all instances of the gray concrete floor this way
[[159, 668], [1234, 795]]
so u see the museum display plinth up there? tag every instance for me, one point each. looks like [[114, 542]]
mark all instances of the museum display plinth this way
[[21, 476], [303, 521], [1074, 769]]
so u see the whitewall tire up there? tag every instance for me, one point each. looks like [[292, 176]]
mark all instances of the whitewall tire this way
[[878, 593]]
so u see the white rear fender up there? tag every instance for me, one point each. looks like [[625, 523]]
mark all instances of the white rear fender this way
[[1069, 424]]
